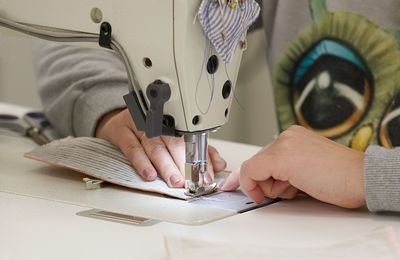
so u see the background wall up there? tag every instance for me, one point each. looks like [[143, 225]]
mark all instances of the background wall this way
[[253, 121], [16, 72]]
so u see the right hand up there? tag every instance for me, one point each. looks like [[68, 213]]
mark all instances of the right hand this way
[[164, 155], [301, 160]]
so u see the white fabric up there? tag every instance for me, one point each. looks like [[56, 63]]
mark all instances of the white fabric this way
[[380, 244]]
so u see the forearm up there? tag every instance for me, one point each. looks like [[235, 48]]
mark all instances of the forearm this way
[[382, 179], [78, 86]]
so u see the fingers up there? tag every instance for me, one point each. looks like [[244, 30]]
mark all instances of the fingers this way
[[209, 175], [251, 188], [176, 147], [278, 189], [256, 180], [114, 128], [253, 172], [148, 156], [270, 188], [263, 166], [218, 163], [161, 158], [273, 188], [290, 193], [134, 152], [232, 182]]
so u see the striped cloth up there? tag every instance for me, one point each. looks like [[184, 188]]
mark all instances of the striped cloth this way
[[225, 26], [101, 160]]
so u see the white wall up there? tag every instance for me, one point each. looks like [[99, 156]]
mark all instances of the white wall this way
[[254, 122], [16, 72]]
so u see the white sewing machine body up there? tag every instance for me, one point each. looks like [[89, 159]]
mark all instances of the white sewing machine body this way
[[178, 86], [162, 41]]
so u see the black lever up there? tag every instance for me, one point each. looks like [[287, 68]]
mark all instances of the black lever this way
[[157, 93]]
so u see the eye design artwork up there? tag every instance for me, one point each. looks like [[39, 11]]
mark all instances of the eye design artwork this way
[[337, 78], [389, 128], [331, 89]]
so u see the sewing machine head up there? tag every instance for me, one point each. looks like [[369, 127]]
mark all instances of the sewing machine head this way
[[182, 59], [196, 75]]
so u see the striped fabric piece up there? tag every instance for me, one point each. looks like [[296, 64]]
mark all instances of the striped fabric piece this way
[[225, 26], [100, 159]]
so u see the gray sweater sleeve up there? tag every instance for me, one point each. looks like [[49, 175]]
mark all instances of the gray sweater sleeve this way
[[382, 178], [77, 86]]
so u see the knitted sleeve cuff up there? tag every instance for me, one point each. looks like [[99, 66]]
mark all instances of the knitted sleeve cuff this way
[[93, 105], [382, 178]]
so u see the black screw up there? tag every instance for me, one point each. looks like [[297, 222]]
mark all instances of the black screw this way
[[226, 89], [105, 27], [212, 64], [168, 121], [153, 93], [195, 120], [147, 62]]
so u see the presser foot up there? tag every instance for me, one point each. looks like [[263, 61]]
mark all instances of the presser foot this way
[[201, 191]]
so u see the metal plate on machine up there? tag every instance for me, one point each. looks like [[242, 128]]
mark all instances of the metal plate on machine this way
[[117, 217], [235, 201]]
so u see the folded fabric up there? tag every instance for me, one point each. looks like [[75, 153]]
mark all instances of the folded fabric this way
[[380, 244], [225, 24], [100, 159]]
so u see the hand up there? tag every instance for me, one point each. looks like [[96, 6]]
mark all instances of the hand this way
[[302, 160], [287, 191], [165, 154]]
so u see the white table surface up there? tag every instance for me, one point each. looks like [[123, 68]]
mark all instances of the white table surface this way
[[33, 228]]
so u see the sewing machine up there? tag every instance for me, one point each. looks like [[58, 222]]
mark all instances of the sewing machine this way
[[178, 84]]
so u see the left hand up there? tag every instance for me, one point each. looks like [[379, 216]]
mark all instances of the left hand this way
[[302, 160], [163, 155]]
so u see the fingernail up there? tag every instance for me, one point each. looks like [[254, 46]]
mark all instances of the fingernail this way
[[175, 179], [221, 184], [149, 174]]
